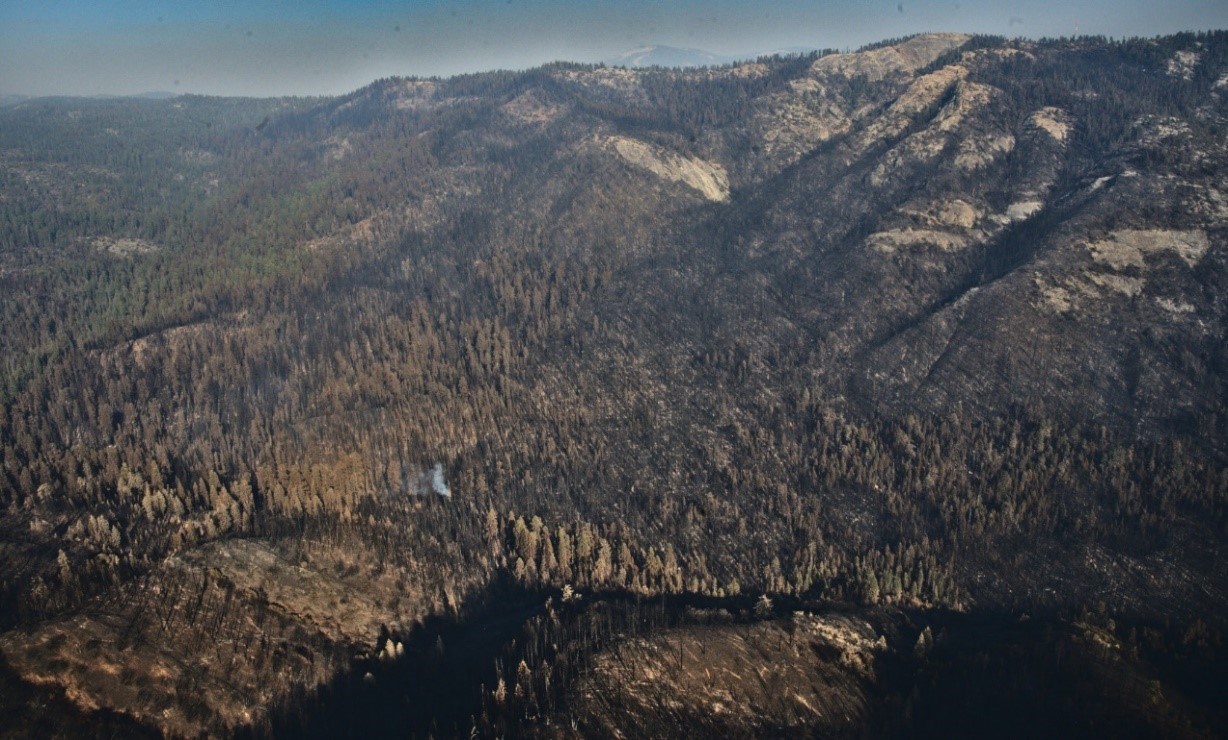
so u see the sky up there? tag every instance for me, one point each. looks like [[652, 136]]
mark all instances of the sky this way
[[324, 47]]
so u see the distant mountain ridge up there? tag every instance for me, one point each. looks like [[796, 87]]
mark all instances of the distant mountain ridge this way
[[668, 56], [7, 100]]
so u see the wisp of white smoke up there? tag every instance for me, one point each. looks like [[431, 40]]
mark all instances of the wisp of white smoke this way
[[438, 483]]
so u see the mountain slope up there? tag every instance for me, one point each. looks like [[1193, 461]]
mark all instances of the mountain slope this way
[[936, 325]]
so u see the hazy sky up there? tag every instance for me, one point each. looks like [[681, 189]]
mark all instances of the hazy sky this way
[[270, 47]]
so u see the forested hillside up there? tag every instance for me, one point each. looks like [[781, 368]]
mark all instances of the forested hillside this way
[[932, 333]]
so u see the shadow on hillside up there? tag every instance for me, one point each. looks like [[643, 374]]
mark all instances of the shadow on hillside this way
[[433, 688]]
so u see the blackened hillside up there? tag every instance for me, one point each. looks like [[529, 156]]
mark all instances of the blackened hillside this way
[[934, 325]]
